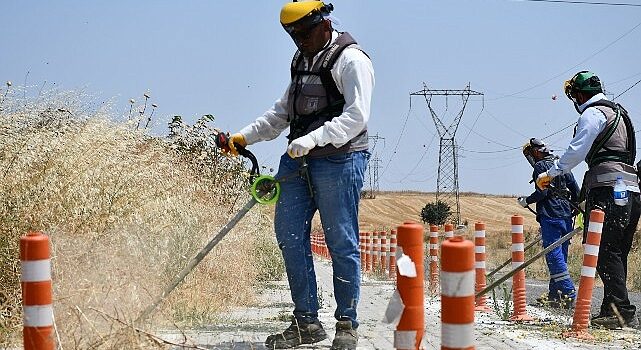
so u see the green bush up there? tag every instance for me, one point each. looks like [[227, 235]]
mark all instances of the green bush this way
[[436, 213]]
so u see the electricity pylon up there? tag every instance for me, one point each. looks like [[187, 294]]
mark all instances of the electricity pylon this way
[[373, 165], [447, 189]]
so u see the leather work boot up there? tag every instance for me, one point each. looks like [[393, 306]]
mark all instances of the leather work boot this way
[[613, 322], [346, 337], [296, 334]]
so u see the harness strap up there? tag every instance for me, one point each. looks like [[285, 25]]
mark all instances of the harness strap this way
[[598, 153]]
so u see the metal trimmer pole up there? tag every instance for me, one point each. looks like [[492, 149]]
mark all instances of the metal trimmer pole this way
[[529, 262], [508, 261], [197, 259]]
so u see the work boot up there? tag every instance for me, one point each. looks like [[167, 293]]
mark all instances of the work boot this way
[[613, 322], [542, 300], [296, 334], [563, 303], [346, 337]]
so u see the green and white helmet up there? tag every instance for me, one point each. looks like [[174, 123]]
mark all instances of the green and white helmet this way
[[584, 81]]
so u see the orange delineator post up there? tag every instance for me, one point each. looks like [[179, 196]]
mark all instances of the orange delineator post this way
[[449, 231], [588, 271], [313, 242], [411, 289], [361, 245], [376, 258], [326, 248], [383, 252], [457, 294], [37, 297], [368, 252], [433, 259], [518, 280], [392, 254], [479, 264]]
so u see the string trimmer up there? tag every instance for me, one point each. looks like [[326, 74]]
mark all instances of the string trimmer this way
[[265, 189]]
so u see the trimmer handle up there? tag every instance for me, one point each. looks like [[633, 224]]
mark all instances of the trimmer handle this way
[[222, 142]]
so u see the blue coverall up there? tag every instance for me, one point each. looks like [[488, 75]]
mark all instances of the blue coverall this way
[[554, 214]]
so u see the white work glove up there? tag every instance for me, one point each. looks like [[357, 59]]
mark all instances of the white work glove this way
[[301, 146], [522, 201]]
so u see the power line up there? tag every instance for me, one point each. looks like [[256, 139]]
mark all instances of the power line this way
[[585, 2], [576, 65], [421, 159], [626, 90], [556, 132], [398, 140], [504, 124], [508, 148], [475, 120]]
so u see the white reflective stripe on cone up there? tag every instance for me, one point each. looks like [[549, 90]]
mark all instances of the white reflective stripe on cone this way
[[449, 234], [457, 284], [517, 228], [588, 271], [434, 258], [591, 249], [478, 234], [479, 264], [457, 336], [595, 227], [516, 264], [518, 247], [35, 270], [404, 339], [38, 316], [433, 246], [479, 249]]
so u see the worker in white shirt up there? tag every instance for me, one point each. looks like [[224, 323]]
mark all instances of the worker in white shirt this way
[[326, 107], [605, 139]]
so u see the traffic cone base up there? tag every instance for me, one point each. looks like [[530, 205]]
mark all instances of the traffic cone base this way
[[583, 335]]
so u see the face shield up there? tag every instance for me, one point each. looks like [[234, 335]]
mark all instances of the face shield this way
[[532, 145], [301, 30]]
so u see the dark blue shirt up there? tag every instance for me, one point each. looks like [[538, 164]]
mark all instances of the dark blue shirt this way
[[548, 204]]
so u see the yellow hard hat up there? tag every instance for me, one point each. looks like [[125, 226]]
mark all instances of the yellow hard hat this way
[[294, 11]]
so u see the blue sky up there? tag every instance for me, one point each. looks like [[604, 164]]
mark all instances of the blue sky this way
[[231, 59]]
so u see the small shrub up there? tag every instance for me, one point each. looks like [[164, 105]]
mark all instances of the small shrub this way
[[436, 213]]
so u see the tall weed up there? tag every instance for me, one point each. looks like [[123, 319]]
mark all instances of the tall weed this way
[[124, 211]]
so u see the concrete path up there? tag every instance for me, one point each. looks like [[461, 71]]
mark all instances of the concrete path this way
[[247, 328]]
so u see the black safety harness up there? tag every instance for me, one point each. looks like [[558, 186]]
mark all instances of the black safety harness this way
[[299, 124]]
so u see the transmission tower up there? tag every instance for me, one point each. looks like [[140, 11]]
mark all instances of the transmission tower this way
[[447, 189], [373, 165]]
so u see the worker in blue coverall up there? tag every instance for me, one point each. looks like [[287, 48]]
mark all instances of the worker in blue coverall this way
[[554, 214]]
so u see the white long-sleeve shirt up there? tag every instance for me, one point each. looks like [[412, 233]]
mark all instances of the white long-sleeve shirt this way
[[354, 77], [590, 124]]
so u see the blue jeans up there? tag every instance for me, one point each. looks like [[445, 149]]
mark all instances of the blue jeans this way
[[557, 260], [336, 181]]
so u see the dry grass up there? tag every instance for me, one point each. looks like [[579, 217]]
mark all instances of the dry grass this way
[[124, 212]]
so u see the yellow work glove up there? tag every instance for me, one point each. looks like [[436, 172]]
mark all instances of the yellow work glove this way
[[543, 180], [236, 139]]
